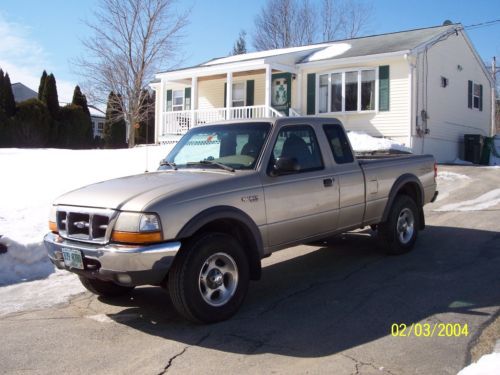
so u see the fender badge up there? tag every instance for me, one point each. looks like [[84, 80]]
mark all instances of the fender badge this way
[[250, 198]]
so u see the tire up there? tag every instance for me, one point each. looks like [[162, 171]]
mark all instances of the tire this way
[[105, 288], [209, 278], [399, 233]]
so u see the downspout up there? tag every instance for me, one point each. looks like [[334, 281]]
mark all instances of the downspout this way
[[410, 59]]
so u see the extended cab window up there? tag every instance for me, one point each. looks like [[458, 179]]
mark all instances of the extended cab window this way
[[338, 144], [298, 143]]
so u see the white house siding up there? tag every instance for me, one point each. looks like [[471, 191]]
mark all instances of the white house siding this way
[[394, 123], [449, 115]]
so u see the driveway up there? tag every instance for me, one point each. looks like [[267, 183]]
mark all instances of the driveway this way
[[316, 309]]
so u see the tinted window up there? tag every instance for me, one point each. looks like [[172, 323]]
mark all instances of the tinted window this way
[[299, 143], [338, 144]]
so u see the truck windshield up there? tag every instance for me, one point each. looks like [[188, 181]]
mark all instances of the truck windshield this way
[[236, 146]]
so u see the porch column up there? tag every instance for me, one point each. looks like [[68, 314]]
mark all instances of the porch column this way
[[267, 100], [299, 92], [229, 94], [160, 127], [194, 100]]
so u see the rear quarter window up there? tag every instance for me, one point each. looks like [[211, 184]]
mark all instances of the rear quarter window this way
[[339, 145]]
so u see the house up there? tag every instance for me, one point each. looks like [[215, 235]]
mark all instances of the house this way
[[22, 92], [425, 88], [98, 118]]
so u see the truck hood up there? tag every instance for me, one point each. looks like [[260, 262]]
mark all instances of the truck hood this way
[[135, 192]]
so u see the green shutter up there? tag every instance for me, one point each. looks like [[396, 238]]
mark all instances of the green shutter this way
[[169, 100], [480, 97], [225, 94], [383, 88], [311, 93], [187, 98], [469, 94], [250, 92]]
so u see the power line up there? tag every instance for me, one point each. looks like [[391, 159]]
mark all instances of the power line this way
[[482, 24]]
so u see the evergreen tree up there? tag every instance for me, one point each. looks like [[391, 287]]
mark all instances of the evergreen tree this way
[[41, 87], [2, 96], [9, 104], [31, 125], [80, 99], [114, 134], [75, 128], [240, 46], [49, 96]]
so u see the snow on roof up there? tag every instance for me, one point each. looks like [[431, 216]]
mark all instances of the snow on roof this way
[[329, 52]]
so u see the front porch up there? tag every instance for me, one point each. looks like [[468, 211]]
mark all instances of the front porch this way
[[194, 97]]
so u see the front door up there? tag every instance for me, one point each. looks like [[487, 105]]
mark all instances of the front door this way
[[281, 93]]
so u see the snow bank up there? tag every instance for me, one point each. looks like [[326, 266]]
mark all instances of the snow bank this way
[[488, 364], [33, 178], [451, 176], [362, 142], [487, 200]]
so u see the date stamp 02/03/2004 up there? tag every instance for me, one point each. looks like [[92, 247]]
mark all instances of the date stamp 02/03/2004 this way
[[429, 330]]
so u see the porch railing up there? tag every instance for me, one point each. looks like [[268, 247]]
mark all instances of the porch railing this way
[[179, 122]]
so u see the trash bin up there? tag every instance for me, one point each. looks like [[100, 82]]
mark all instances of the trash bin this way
[[487, 150], [473, 145]]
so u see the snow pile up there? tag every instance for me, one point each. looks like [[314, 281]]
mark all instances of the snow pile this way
[[488, 364], [451, 176], [495, 154], [362, 142], [458, 161], [33, 178], [39, 294], [487, 200]]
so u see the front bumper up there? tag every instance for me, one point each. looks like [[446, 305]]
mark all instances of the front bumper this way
[[123, 264]]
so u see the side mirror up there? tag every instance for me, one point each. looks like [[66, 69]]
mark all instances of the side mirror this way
[[285, 166]]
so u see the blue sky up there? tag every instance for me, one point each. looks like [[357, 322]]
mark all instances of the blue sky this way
[[37, 35]]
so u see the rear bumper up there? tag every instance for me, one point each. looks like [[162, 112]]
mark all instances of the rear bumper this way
[[122, 264]]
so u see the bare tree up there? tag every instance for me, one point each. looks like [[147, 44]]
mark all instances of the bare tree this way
[[131, 40], [290, 23]]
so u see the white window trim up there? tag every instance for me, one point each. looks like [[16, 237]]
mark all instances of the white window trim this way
[[244, 93], [474, 83], [183, 100], [343, 72]]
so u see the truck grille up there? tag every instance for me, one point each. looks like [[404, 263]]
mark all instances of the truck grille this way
[[84, 224]]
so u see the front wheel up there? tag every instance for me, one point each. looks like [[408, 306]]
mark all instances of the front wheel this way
[[399, 233], [209, 278], [105, 288]]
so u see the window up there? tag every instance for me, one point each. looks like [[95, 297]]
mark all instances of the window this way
[[367, 90], [299, 143], [336, 92], [323, 93], [338, 144], [239, 94], [100, 126], [349, 91], [178, 100], [476, 95]]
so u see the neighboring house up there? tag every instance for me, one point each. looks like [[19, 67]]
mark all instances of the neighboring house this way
[[22, 92], [97, 117], [425, 88]]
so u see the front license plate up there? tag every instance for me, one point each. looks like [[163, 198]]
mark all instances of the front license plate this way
[[72, 258]]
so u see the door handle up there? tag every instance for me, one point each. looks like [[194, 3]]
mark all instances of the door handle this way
[[328, 182]]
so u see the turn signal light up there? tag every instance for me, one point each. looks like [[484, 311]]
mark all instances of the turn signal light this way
[[52, 226], [136, 238]]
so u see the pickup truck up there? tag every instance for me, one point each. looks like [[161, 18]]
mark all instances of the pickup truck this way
[[228, 195]]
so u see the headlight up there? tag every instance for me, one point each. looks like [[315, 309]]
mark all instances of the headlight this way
[[133, 227], [52, 220]]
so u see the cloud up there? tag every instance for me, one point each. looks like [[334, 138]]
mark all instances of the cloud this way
[[25, 59]]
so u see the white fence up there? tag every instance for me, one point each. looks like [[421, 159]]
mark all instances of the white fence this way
[[179, 122]]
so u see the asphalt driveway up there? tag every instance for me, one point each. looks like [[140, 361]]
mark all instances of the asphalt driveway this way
[[316, 309]]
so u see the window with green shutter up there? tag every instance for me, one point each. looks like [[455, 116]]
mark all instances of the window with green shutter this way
[[169, 100], [250, 92], [383, 88], [311, 93], [187, 98]]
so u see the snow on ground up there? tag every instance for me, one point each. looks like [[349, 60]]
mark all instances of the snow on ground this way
[[487, 200], [488, 364], [362, 142], [33, 178], [451, 176]]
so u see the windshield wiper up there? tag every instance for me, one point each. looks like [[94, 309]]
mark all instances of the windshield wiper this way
[[211, 162], [171, 165]]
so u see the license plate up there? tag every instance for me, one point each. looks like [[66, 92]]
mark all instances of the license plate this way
[[72, 258]]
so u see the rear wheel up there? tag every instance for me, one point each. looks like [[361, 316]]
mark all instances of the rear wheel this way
[[399, 233], [209, 278], [105, 288]]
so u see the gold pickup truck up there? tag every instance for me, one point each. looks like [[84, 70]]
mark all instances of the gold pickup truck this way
[[226, 196]]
